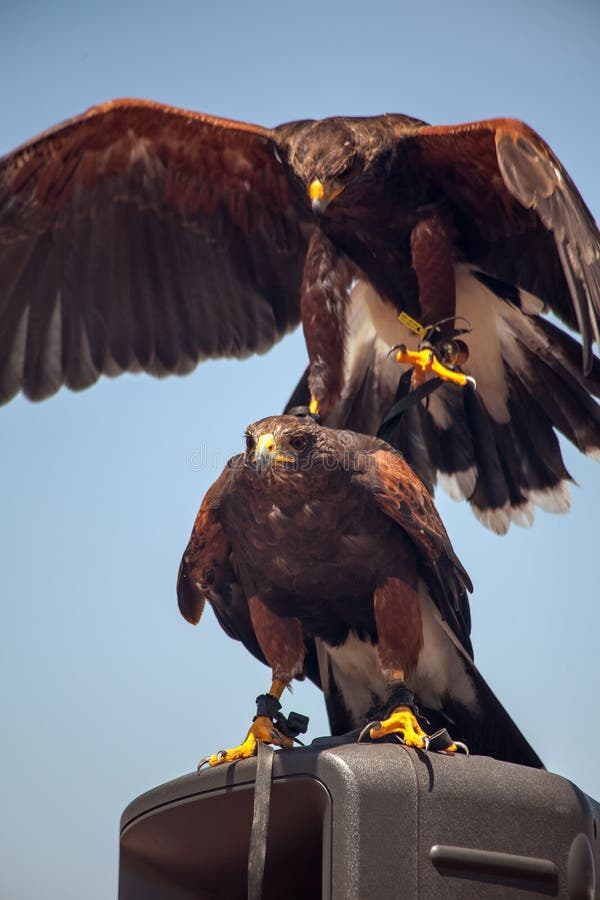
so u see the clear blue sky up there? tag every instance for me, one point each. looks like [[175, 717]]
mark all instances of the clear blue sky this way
[[105, 690]]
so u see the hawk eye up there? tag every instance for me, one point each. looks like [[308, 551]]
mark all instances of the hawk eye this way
[[249, 443], [298, 443]]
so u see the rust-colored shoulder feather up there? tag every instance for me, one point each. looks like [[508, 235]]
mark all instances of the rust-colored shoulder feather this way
[[405, 499]]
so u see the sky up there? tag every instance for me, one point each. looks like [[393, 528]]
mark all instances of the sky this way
[[105, 691]]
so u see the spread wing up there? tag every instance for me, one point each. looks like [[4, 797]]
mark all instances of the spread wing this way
[[403, 497], [520, 216], [524, 243], [142, 237]]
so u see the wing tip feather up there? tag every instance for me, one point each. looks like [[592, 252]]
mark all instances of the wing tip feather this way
[[190, 599]]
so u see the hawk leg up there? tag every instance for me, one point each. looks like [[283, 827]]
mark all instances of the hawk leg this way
[[432, 246], [403, 723], [426, 361], [324, 303], [282, 642], [399, 718], [269, 727]]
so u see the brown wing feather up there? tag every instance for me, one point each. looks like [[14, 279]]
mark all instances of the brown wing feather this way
[[406, 500], [520, 215], [205, 569], [141, 236]]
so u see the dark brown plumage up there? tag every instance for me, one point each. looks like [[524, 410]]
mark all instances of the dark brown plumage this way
[[323, 553], [143, 237]]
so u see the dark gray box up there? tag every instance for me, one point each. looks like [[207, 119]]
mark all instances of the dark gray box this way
[[361, 821]]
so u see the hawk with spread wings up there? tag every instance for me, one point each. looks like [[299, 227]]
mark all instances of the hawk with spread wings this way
[[138, 236], [323, 553]]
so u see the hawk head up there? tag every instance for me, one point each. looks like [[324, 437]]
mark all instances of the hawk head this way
[[330, 155], [283, 442]]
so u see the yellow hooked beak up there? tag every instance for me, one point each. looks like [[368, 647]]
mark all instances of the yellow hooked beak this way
[[321, 194], [266, 454]]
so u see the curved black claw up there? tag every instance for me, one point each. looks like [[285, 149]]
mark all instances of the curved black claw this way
[[441, 742]]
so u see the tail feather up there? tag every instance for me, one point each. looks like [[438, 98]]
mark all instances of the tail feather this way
[[489, 731], [485, 727], [563, 395], [557, 347], [518, 464], [497, 447], [502, 469]]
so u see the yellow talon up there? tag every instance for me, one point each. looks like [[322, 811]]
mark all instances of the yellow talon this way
[[313, 407], [402, 722], [424, 361], [262, 729]]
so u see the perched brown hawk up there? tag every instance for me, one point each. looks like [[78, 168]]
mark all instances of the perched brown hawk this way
[[142, 237], [323, 553]]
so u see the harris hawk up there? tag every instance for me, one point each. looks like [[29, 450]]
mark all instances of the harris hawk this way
[[139, 236], [322, 552]]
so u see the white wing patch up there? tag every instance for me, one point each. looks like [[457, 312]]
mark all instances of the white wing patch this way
[[366, 349], [499, 518], [497, 326], [357, 674], [361, 335], [480, 306], [483, 309], [553, 500], [458, 485], [441, 668]]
